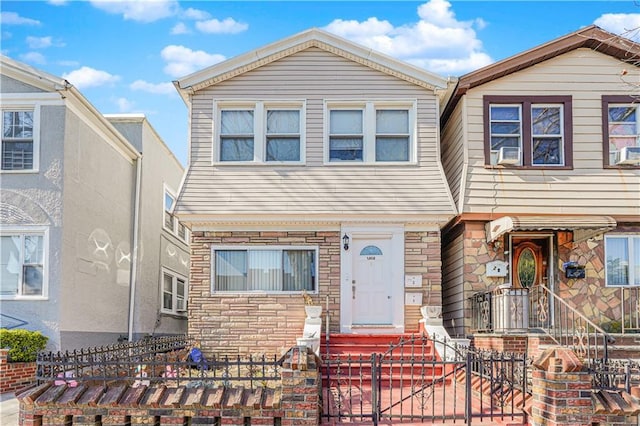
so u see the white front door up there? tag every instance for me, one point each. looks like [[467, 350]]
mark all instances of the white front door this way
[[372, 279], [372, 282]]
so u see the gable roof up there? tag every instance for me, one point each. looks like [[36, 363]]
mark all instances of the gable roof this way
[[73, 98], [592, 37], [313, 37]]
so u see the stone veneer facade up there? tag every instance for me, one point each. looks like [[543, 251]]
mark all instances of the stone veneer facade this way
[[590, 296], [269, 324]]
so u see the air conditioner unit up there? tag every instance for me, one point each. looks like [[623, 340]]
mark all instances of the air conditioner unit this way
[[629, 155], [509, 155]]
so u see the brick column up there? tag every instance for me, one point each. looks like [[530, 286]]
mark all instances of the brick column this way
[[300, 387], [561, 390], [15, 375]]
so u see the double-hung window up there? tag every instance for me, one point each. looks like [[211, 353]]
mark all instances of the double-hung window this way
[[260, 132], [623, 260], [528, 131], [621, 130], [23, 264], [18, 140], [170, 222], [370, 132], [264, 269], [174, 293]]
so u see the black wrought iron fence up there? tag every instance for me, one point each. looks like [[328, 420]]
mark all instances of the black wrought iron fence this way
[[163, 360], [615, 374]]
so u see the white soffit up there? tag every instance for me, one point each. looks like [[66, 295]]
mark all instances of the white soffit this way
[[583, 227]]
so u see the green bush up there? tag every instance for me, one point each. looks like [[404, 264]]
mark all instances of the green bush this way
[[23, 345]]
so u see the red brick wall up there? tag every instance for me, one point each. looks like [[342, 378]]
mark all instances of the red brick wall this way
[[15, 375], [501, 343]]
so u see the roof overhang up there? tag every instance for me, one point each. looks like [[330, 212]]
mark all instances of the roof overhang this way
[[583, 227], [313, 37]]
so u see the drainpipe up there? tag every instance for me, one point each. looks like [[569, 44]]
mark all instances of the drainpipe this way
[[133, 279]]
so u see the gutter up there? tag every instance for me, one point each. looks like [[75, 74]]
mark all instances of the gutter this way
[[133, 279]]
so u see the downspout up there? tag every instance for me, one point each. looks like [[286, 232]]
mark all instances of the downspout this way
[[133, 279]]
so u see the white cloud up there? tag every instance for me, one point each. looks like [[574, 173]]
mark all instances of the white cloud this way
[[58, 2], [12, 18], [124, 104], [140, 10], [39, 42], [68, 63], [195, 14], [180, 28], [182, 61], [86, 77], [226, 26], [437, 41], [626, 24], [33, 58], [159, 88]]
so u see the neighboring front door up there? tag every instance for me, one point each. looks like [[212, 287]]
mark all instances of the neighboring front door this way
[[529, 263], [372, 283]]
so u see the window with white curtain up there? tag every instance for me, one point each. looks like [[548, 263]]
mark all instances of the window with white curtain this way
[[622, 253], [264, 269], [368, 132], [22, 264], [261, 132]]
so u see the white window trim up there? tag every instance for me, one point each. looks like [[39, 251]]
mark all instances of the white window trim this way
[[369, 108], [561, 135], [315, 249], [167, 190], [176, 223], [629, 238], [35, 107], [174, 275], [39, 230], [259, 109]]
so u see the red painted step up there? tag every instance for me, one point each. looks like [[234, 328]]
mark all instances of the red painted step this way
[[407, 359]]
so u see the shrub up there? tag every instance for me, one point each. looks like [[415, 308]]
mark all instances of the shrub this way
[[23, 345]]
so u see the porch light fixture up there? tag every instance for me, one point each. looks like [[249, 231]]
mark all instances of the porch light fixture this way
[[345, 242]]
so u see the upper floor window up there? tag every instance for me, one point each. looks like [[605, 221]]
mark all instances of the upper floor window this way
[[170, 222], [265, 269], [621, 130], [174, 293], [23, 264], [623, 260], [18, 144], [263, 132], [528, 131], [370, 132]]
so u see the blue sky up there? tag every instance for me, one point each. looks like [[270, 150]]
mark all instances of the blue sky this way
[[123, 55]]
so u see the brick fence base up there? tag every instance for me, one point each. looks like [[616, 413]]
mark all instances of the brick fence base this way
[[15, 375], [294, 402]]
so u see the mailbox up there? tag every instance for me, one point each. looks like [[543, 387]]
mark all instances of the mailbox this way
[[573, 271]]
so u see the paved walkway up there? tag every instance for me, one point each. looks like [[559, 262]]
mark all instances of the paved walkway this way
[[8, 409]]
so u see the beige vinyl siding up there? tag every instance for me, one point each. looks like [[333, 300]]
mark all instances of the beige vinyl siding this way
[[452, 149], [314, 76], [585, 75], [453, 295]]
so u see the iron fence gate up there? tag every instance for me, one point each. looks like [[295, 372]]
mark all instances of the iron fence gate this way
[[426, 380]]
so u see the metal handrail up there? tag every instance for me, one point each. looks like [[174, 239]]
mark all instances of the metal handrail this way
[[630, 297], [566, 325]]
